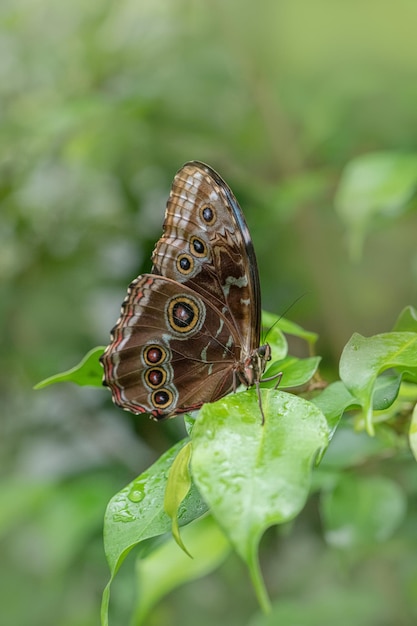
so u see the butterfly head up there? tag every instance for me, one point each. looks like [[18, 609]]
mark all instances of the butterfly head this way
[[251, 369]]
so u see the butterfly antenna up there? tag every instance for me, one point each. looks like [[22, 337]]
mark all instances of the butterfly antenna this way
[[283, 315]]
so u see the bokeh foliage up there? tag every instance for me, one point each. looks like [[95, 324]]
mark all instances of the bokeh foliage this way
[[100, 103]]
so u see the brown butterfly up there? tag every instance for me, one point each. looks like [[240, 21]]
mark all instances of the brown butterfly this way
[[189, 332]]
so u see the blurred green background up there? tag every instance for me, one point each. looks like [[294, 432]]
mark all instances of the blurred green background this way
[[100, 104]]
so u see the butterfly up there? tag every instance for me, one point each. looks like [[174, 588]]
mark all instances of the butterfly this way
[[189, 332]]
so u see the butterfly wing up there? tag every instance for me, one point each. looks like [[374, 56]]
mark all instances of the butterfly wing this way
[[171, 350], [206, 245]]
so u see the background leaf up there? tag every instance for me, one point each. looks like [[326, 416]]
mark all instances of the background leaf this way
[[87, 372], [361, 512], [334, 604], [407, 320], [375, 185], [364, 358], [413, 433], [333, 401], [290, 327], [168, 567]]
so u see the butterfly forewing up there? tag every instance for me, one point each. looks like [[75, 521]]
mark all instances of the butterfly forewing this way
[[206, 245]]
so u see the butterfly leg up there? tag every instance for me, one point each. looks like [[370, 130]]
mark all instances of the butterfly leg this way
[[275, 376], [278, 377], [258, 392], [235, 379]]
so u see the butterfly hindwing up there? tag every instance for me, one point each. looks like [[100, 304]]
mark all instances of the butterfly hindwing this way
[[170, 346]]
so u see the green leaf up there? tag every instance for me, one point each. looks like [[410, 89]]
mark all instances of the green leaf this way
[[350, 448], [407, 320], [386, 391], [137, 511], [275, 337], [413, 433], [168, 567], [295, 372], [286, 326], [19, 501], [189, 421], [363, 358], [178, 485], [332, 603], [137, 514], [87, 372], [333, 401], [252, 475], [374, 186], [362, 510]]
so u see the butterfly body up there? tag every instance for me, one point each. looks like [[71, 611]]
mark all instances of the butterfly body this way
[[189, 332]]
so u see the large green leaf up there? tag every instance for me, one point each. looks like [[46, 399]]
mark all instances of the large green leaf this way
[[254, 475]]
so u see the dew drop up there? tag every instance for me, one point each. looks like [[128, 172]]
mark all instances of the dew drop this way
[[209, 433], [137, 491], [123, 516], [136, 495]]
